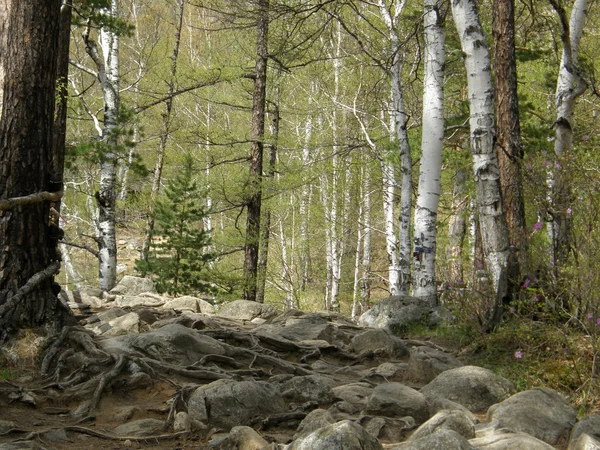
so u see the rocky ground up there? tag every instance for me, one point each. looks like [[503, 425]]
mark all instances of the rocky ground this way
[[143, 371]]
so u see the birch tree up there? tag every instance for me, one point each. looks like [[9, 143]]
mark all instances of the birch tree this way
[[432, 141], [107, 66], [492, 221], [569, 86]]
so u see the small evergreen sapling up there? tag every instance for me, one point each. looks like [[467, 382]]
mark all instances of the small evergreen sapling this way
[[178, 258]]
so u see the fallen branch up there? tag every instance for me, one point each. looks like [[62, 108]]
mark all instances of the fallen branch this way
[[160, 437]]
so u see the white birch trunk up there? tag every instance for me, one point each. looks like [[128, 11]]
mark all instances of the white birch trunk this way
[[400, 133], [494, 232], [108, 76], [304, 209], [328, 240], [569, 86], [432, 143]]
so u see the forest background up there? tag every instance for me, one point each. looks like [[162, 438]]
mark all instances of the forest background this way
[[158, 87]]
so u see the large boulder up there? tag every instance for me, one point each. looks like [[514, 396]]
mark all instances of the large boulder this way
[[309, 388], [379, 340], [133, 286], [397, 400], [344, 435], [540, 412], [247, 310], [584, 442], [357, 394], [226, 403], [239, 438], [396, 313], [426, 363], [447, 420], [503, 439], [589, 425], [172, 343], [190, 303], [317, 418], [474, 387], [440, 440]]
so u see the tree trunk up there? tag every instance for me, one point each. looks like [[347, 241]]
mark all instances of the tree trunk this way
[[164, 136], [108, 76], [508, 136], [29, 232], [256, 159], [457, 229], [569, 86], [485, 162], [432, 143]]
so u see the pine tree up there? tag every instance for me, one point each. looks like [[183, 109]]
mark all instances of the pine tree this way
[[178, 257]]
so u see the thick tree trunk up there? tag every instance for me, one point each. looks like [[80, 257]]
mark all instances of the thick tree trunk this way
[[485, 162], [29, 233], [256, 159], [569, 86], [508, 131], [432, 143]]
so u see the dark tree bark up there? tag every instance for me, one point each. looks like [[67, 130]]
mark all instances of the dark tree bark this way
[[508, 129], [256, 159], [28, 232]]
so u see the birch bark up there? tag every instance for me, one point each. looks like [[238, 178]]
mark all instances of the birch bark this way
[[428, 194], [485, 162]]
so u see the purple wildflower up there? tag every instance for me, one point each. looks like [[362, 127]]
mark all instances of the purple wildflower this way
[[537, 226], [518, 354], [526, 283]]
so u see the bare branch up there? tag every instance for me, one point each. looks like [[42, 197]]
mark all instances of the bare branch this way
[[38, 197]]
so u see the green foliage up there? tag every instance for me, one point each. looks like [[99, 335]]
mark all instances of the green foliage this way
[[95, 12], [178, 255]]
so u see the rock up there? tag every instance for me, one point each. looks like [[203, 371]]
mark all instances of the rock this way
[[394, 430], [22, 445], [247, 310], [426, 363], [317, 418], [440, 440], [309, 388], [539, 412], [189, 303], [503, 439], [125, 413], [396, 313], [344, 435], [474, 387], [143, 427], [379, 340], [129, 323], [181, 422], [584, 442], [172, 343], [133, 286], [86, 296], [240, 438], [387, 371], [590, 425], [447, 420], [144, 299], [397, 400], [6, 427], [357, 394], [437, 404], [227, 403]]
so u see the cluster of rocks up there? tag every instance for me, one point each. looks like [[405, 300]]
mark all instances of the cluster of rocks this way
[[316, 381]]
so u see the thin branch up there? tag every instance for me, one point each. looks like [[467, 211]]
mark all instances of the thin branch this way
[[82, 246]]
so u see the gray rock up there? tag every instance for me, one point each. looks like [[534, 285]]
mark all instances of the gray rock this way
[[440, 440], [189, 303], [426, 363], [448, 420], [540, 412], [240, 438], [397, 400], [125, 413], [181, 422], [437, 404], [584, 442], [227, 403], [474, 387], [317, 418], [379, 340], [22, 445], [396, 313], [86, 296], [143, 427], [144, 299], [172, 343], [503, 439], [590, 425], [391, 429], [344, 435], [133, 286], [309, 388], [129, 323], [247, 310], [357, 394]]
